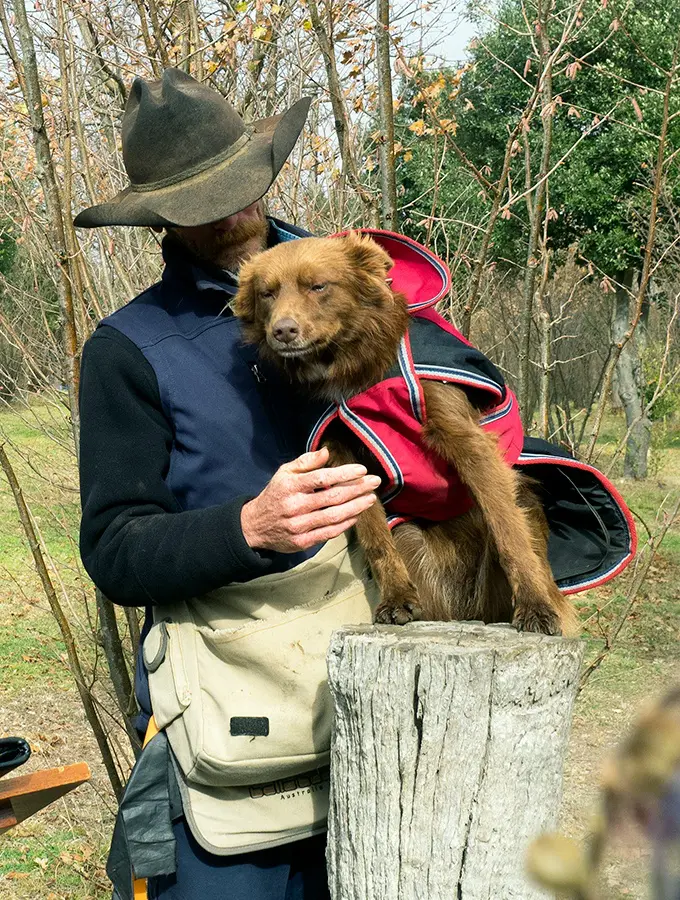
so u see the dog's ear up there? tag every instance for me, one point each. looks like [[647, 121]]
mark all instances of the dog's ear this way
[[244, 302], [364, 253]]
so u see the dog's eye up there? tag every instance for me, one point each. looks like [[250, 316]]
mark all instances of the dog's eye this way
[[266, 295], [321, 286]]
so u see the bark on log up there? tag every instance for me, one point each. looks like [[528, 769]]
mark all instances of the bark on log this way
[[447, 758]]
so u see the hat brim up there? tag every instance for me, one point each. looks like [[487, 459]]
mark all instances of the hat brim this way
[[215, 193]]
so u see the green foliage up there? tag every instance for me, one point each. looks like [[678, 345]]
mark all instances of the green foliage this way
[[8, 248], [607, 97], [668, 404]]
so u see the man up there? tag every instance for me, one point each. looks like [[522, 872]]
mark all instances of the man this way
[[192, 471]]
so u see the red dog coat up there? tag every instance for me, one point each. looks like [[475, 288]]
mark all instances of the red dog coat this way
[[592, 532]]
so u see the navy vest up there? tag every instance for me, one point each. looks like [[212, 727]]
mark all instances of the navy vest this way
[[234, 420]]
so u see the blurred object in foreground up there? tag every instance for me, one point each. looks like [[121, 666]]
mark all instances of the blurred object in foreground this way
[[640, 784]]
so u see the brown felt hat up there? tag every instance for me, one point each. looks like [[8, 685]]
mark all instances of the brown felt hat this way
[[190, 157]]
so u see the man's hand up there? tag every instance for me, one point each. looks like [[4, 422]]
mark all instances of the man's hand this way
[[305, 504]]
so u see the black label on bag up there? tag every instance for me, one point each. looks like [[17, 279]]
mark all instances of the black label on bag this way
[[249, 726]]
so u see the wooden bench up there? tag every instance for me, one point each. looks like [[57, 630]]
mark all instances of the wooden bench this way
[[24, 795]]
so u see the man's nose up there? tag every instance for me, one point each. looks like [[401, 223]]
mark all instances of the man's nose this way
[[286, 330]]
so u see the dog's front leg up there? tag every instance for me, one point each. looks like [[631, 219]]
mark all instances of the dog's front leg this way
[[399, 598], [453, 432]]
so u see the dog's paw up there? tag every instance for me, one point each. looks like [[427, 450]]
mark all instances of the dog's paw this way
[[539, 618], [398, 612]]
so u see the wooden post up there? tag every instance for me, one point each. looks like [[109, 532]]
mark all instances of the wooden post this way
[[447, 758]]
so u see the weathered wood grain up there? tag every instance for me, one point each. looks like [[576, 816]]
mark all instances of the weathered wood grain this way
[[23, 795], [447, 758]]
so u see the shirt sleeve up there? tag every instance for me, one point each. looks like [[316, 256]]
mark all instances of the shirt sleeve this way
[[136, 543]]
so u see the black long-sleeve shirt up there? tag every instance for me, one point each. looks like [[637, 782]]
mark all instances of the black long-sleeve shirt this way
[[137, 545]]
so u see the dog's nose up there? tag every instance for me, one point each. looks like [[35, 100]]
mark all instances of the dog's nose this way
[[286, 330]]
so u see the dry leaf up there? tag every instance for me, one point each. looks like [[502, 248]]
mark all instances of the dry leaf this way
[[572, 69], [449, 126], [636, 107]]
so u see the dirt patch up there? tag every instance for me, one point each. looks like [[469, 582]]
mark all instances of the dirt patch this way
[[60, 852]]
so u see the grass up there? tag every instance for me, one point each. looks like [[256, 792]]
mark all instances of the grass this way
[[60, 853], [61, 864]]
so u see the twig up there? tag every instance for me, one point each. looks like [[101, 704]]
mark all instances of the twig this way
[[62, 622]]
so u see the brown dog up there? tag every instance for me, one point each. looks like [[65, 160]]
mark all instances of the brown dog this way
[[323, 311]]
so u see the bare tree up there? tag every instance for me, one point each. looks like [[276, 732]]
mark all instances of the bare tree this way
[[388, 180]]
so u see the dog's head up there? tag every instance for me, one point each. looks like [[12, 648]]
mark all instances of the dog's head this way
[[307, 301]]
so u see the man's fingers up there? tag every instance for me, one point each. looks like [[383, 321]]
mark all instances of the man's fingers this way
[[320, 535], [308, 461], [332, 515], [336, 495], [326, 478]]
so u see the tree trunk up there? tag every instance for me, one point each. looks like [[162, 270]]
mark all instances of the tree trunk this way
[[53, 205], [324, 39], [545, 334], [538, 210], [447, 758], [615, 398], [388, 181], [115, 657], [630, 383]]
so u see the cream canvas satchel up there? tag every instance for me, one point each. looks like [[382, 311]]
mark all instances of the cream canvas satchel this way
[[238, 681]]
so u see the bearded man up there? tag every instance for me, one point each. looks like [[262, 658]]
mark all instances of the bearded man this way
[[193, 475]]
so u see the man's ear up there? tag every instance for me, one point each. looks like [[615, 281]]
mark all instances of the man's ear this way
[[364, 253], [245, 300]]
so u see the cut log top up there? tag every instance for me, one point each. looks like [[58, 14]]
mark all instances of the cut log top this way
[[447, 636], [447, 758]]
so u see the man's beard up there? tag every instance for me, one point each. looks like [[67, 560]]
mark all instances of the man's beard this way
[[229, 249], [241, 233]]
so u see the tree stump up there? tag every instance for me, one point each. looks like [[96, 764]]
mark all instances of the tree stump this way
[[447, 758]]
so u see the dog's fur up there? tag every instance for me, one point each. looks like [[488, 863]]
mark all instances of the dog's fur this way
[[323, 311]]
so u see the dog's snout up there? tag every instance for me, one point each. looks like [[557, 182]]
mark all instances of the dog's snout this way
[[286, 330]]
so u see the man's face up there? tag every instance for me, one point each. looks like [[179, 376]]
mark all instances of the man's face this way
[[230, 241]]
